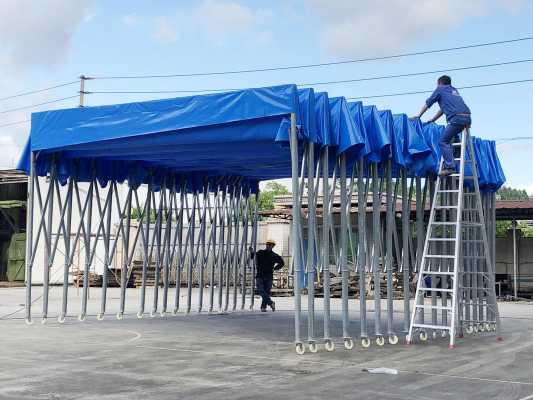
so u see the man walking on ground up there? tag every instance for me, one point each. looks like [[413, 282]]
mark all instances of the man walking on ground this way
[[457, 116], [266, 263]]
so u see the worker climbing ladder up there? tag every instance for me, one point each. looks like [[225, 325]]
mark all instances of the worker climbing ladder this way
[[456, 262]]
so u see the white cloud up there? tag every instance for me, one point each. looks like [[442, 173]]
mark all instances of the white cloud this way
[[38, 32], [130, 19], [355, 27], [221, 20], [164, 30]]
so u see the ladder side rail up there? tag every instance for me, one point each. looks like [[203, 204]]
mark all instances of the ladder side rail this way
[[458, 246], [491, 272]]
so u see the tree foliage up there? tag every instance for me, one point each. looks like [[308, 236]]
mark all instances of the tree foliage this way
[[266, 196], [508, 193]]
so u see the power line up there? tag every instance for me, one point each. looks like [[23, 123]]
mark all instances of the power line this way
[[15, 123], [38, 104], [289, 67], [370, 78], [38, 90], [430, 91], [512, 139]]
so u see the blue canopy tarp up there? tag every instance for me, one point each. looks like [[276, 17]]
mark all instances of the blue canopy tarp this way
[[228, 137]]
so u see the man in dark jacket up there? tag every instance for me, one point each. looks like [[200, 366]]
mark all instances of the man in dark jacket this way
[[266, 263], [457, 115]]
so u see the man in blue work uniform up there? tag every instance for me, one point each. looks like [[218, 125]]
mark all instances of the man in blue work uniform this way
[[267, 262], [457, 115]]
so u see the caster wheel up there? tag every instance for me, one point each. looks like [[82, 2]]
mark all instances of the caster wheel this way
[[81, 317], [443, 334], [43, 320], [29, 321], [487, 327], [423, 336], [393, 339], [330, 346], [435, 335], [380, 341], [482, 327], [300, 349], [162, 314], [493, 327], [61, 319], [469, 330], [476, 329], [152, 314], [120, 316], [140, 315], [348, 343], [313, 348], [365, 343], [100, 317]]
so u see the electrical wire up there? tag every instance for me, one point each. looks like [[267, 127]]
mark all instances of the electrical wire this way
[[289, 67], [38, 104], [38, 90], [370, 78], [430, 91], [15, 123]]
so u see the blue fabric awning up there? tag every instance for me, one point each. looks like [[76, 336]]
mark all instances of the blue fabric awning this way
[[227, 137]]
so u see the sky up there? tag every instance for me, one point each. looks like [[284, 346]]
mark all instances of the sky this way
[[41, 47]]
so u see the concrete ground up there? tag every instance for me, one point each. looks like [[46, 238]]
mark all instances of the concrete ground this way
[[244, 355]]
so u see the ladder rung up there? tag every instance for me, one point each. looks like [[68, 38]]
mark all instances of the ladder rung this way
[[470, 209], [439, 256], [471, 224], [474, 257], [448, 191], [443, 223], [469, 194], [472, 241], [427, 326], [464, 177], [437, 207], [433, 307], [425, 289], [456, 144], [441, 239]]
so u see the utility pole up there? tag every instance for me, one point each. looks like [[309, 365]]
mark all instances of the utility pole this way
[[515, 262], [82, 91]]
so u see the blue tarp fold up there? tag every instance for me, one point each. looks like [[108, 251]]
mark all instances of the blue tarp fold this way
[[225, 138]]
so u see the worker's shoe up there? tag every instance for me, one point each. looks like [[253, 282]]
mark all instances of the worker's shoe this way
[[273, 306], [447, 171], [263, 309]]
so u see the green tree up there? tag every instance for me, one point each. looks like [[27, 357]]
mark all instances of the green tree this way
[[266, 196], [508, 193]]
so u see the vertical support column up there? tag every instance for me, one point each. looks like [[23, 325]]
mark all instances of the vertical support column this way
[[108, 256], [326, 226], [406, 211], [167, 259], [87, 245], [391, 210], [515, 262], [29, 237], [343, 247], [361, 259], [67, 263], [254, 248], [48, 248], [376, 245], [311, 263], [125, 251], [190, 265], [296, 216], [203, 228], [145, 243]]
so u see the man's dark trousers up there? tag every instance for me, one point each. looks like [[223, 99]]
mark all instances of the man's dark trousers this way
[[264, 286], [454, 127]]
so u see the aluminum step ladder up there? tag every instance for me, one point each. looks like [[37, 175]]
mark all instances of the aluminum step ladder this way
[[455, 291]]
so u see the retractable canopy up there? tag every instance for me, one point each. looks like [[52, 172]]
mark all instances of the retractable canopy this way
[[240, 135]]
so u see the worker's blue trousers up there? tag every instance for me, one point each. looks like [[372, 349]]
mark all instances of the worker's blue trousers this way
[[455, 125]]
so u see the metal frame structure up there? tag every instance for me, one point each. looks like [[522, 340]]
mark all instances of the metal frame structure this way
[[201, 238]]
